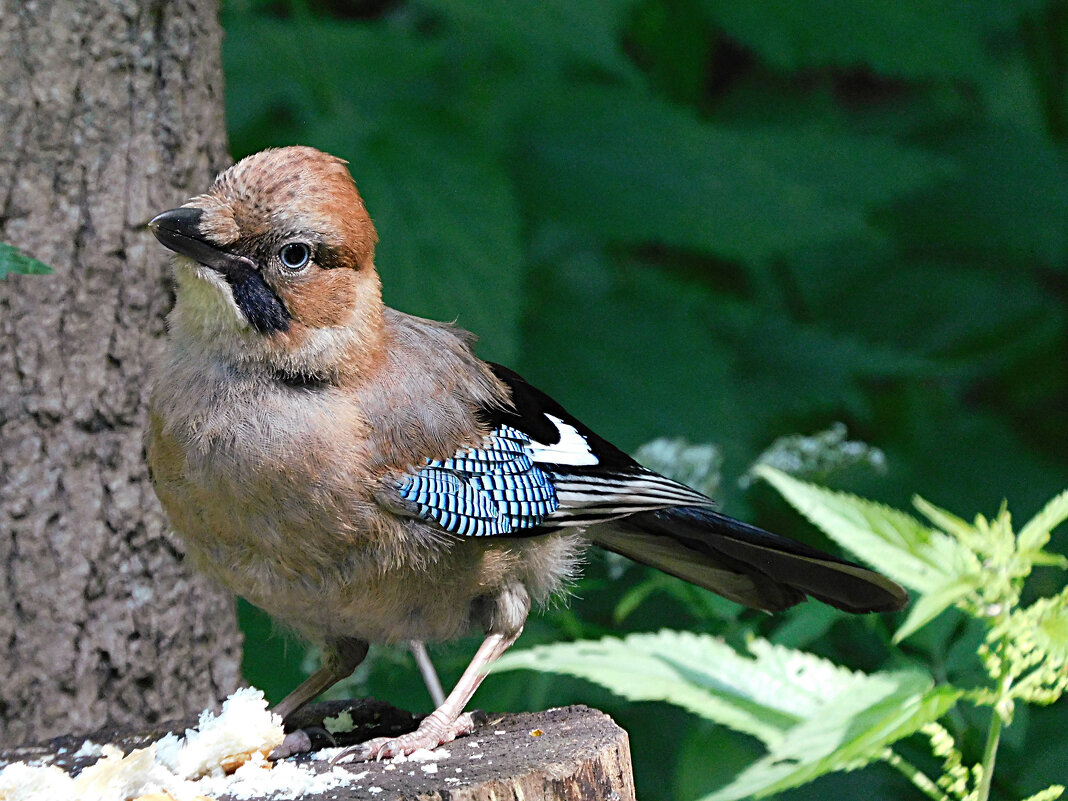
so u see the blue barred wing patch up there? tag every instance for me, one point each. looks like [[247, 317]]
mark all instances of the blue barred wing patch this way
[[480, 492]]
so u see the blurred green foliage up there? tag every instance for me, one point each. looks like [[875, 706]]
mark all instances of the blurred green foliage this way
[[723, 220]]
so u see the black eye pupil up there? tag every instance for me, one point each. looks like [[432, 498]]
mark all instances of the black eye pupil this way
[[295, 255]]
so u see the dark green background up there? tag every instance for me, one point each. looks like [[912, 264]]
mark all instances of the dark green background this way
[[727, 220]]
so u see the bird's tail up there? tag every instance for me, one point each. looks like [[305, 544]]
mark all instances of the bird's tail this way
[[745, 563]]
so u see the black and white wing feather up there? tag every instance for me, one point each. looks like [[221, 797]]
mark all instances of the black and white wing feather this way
[[538, 469], [541, 470]]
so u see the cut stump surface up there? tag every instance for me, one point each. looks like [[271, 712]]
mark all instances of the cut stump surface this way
[[573, 753]]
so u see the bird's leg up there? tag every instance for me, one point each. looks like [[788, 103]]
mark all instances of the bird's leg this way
[[426, 668], [318, 682], [339, 660], [445, 723]]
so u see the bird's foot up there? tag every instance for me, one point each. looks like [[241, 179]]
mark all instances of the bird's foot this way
[[302, 741], [434, 730]]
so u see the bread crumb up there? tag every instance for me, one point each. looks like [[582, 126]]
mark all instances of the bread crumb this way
[[193, 767]]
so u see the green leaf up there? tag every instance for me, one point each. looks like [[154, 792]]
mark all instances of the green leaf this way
[[804, 624], [814, 716], [1051, 793], [971, 319], [450, 238], [852, 731], [628, 167], [917, 39], [947, 521], [1054, 633], [1035, 533], [405, 81], [762, 696], [547, 33], [13, 260], [774, 350], [933, 603], [892, 541], [701, 604], [1008, 199], [634, 597]]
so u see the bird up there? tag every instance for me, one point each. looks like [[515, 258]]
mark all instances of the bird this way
[[361, 475]]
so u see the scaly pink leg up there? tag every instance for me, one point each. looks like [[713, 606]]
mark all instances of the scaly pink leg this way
[[445, 723]]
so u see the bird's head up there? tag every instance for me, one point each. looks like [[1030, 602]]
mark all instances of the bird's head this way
[[276, 263]]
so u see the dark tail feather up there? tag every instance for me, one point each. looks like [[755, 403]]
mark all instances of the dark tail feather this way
[[745, 563]]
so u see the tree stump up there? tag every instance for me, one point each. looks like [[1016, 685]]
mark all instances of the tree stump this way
[[573, 753]]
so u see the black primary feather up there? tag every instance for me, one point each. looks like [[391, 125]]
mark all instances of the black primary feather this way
[[746, 563]]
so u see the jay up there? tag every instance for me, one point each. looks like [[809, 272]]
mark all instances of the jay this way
[[363, 477]]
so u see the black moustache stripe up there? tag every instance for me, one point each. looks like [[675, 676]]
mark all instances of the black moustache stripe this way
[[257, 301]]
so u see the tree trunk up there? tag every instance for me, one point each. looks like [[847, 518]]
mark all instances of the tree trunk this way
[[110, 110]]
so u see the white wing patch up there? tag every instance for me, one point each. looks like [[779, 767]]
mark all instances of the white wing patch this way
[[571, 449]]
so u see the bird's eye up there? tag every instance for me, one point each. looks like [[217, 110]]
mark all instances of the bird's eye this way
[[295, 255]]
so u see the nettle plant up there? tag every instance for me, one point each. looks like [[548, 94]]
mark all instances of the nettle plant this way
[[813, 716]]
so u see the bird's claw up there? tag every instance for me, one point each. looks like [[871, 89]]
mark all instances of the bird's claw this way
[[432, 732]]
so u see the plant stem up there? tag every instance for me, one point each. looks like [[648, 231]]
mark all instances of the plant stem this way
[[993, 737], [915, 775], [990, 753]]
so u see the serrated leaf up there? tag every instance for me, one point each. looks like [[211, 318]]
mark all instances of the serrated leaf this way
[[893, 542], [814, 716], [630, 168], [947, 521], [1054, 631], [849, 733], [13, 260], [933, 603], [1035, 533], [762, 696]]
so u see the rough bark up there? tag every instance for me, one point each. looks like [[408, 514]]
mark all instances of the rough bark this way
[[110, 110]]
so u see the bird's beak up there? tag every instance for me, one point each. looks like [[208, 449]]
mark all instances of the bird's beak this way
[[179, 230]]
